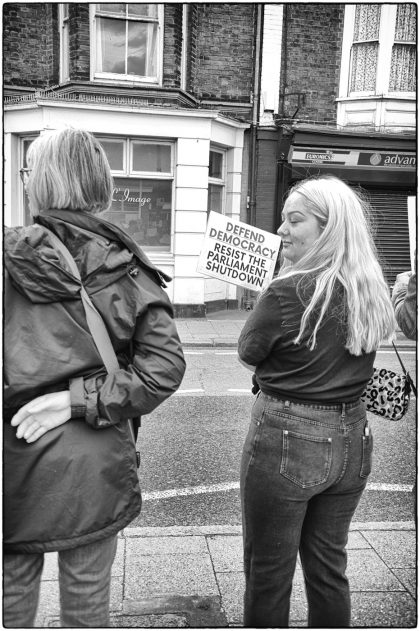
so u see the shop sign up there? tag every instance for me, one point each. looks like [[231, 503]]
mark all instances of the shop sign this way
[[353, 158], [238, 253], [127, 195]]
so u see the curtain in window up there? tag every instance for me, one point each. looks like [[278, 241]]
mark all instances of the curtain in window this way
[[365, 48], [403, 60]]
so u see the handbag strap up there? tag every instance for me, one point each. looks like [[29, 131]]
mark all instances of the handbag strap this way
[[406, 373], [95, 322]]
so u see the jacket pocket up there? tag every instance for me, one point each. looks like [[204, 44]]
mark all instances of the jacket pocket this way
[[367, 450], [305, 460]]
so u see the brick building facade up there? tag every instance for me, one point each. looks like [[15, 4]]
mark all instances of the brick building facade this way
[[236, 100]]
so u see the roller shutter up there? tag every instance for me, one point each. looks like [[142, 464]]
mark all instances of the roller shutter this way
[[390, 217]]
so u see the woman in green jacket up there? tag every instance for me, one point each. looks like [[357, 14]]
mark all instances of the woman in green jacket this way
[[70, 474]]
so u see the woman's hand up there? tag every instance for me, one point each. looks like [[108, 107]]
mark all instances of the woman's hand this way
[[37, 417]]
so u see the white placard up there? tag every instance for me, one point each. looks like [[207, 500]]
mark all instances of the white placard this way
[[412, 229], [238, 253]]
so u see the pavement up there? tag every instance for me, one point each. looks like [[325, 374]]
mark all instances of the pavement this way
[[222, 328], [191, 577]]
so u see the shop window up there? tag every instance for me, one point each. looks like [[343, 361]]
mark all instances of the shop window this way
[[216, 190], [127, 41], [379, 49], [142, 194], [63, 21], [24, 146]]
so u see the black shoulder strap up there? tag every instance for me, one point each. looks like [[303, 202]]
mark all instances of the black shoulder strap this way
[[406, 373]]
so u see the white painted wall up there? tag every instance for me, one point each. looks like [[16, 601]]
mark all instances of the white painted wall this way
[[193, 132]]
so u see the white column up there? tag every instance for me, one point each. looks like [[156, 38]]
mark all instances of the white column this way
[[271, 59]]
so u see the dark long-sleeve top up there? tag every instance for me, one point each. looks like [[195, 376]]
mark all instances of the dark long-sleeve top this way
[[329, 374]]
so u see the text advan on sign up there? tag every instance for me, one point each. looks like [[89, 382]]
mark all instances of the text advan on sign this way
[[238, 253]]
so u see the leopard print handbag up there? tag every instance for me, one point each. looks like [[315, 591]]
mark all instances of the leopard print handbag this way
[[387, 393]]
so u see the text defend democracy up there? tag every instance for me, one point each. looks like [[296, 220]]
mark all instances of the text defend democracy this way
[[244, 243]]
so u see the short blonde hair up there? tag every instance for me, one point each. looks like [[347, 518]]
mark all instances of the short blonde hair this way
[[69, 170]]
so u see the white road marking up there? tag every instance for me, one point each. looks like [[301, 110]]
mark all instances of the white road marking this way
[[189, 391], [191, 490], [192, 353], [239, 390], [226, 353], [400, 350], [231, 486], [394, 488]]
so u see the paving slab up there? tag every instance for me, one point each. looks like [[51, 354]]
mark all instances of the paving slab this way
[[408, 578], [397, 549], [367, 572], [226, 553], [180, 572], [232, 587], [383, 610]]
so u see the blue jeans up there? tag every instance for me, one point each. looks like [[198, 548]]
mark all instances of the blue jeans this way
[[304, 468], [84, 578]]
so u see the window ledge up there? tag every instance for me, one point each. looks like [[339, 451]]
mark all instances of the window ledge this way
[[378, 97], [129, 82]]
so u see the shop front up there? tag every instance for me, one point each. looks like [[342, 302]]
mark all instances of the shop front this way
[[170, 167], [382, 166]]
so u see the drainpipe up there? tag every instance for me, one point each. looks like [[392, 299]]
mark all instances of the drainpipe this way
[[252, 172], [251, 215]]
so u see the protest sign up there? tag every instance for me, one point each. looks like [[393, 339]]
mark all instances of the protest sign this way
[[238, 253]]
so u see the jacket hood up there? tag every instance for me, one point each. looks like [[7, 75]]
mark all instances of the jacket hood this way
[[36, 269]]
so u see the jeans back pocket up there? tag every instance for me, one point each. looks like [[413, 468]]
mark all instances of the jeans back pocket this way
[[305, 459]]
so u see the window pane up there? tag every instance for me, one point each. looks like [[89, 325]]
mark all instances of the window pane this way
[[115, 154], [27, 219], [366, 22], [216, 165], [403, 68], [363, 69], [145, 10], [143, 208], [142, 48], [111, 45], [405, 25], [151, 158], [215, 198], [113, 8]]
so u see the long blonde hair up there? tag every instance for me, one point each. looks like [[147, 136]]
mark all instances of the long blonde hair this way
[[344, 252]]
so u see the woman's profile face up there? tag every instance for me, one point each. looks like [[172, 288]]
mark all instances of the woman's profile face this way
[[299, 229]]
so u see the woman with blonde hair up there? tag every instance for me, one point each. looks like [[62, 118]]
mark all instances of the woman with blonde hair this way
[[70, 466], [311, 340]]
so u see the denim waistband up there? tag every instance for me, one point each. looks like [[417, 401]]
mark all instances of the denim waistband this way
[[317, 405]]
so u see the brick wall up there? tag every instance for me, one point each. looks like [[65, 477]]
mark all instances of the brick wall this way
[[30, 44], [79, 42], [224, 63], [172, 46], [311, 56]]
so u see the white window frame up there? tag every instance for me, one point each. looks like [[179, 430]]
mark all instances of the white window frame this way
[[63, 25], [386, 42], [110, 77], [185, 14], [22, 194], [221, 182]]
